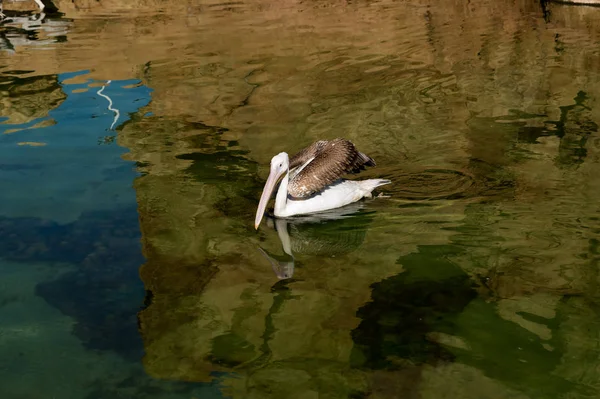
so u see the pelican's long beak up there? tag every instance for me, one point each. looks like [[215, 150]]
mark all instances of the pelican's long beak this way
[[266, 194]]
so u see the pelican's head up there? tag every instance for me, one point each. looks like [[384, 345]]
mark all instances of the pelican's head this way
[[280, 164]]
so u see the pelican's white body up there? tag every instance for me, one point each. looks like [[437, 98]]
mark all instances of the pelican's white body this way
[[338, 194], [335, 195]]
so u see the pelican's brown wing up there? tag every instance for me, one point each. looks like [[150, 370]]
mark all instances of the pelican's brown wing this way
[[332, 160], [307, 153]]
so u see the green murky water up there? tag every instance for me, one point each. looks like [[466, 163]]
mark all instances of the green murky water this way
[[134, 142]]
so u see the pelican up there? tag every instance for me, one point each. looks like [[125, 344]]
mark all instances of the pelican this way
[[312, 179]]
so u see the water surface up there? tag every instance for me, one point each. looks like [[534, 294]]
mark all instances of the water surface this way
[[135, 140]]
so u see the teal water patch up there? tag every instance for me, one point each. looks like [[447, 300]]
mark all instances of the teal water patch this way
[[60, 170], [71, 201], [71, 236], [103, 293]]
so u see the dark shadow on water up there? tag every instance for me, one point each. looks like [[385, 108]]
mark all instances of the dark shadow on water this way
[[573, 128], [511, 138], [228, 167], [404, 308], [104, 294], [433, 295]]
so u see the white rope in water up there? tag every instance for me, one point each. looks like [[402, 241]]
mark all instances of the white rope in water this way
[[110, 103]]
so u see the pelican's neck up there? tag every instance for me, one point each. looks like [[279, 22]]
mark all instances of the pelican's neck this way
[[281, 198]]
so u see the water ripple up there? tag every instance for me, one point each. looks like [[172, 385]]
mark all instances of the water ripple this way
[[432, 184]]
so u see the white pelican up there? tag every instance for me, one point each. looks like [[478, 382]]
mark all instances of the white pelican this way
[[312, 181]]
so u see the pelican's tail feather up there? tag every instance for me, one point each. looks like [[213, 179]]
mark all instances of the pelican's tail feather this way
[[371, 184], [367, 186]]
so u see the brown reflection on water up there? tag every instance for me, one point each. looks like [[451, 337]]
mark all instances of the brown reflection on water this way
[[483, 113], [24, 99], [477, 108]]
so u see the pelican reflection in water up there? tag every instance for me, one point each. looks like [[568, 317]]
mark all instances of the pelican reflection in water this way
[[335, 232]]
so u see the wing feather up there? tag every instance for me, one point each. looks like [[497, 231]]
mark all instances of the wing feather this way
[[307, 153], [332, 159]]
